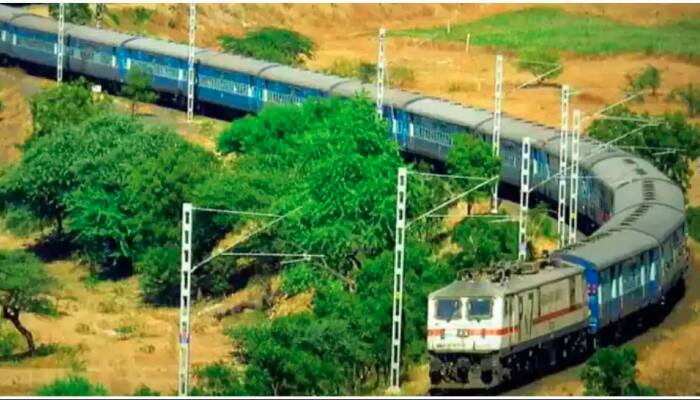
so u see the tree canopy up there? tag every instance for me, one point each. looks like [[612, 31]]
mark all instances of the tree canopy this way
[[472, 158], [650, 78], [612, 372], [23, 288], [670, 145], [64, 105], [272, 44], [79, 14], [138, 88], [115, 184], [689, 95]]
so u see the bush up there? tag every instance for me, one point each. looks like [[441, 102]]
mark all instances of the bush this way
[[272, 44], [401, 76], [79, 14], [159, 275], [20, 221], [10, 341], [366, 72], [650, 78], [300, 278], [690, 95], [612, 372], [693, 215], [539, 62], [145, 391], [72, 386], [65, 105]]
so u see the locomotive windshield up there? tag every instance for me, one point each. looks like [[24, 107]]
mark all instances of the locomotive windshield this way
[[479, 308], [448, 309]]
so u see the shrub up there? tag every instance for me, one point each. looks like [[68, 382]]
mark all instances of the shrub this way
[[299, 278], [271, 44], [79, 14], [612, 372], [20, 221], [145, 391], [540, 62], [690, 95], [10, 341], [159, 275], [401, 76], [650, 78], [72, 386], [693, 215]]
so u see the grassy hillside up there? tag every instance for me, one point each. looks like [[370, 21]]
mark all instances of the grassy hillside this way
[[555, 29]]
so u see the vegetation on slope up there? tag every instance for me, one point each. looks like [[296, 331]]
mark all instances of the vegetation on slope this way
[[272, 44], [667, 141], [552, 29], [612, 372]]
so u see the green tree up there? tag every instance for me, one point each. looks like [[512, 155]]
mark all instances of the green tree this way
[[612, 372], [482, 242], [138, 88], [72, 386], [218, 379], [79, 13], [650, 78], [543, 64], [690, 95], [271, 44], [653, 141], [471, 157], [693, 215], [115, 185], [64, 105], [145, 391], [301, 355], [23, 287]]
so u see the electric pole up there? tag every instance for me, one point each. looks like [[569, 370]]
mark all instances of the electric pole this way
[[563, 150], [398, 279], [496, 140], [61, 42], [381, 66], [185, 284], [190, 62], [524, 199], [99, 14], [573, 201]]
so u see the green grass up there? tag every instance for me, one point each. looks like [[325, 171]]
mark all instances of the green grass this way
[[549, 28]]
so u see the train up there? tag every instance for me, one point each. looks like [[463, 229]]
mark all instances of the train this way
[[632, 262]]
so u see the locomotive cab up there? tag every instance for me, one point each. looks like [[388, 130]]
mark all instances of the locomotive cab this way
[[464, 335]]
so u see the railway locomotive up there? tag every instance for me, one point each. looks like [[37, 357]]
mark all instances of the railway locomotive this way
[[635, 259]]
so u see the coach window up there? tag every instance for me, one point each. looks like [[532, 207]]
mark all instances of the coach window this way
[[448, 309], [479, 308]]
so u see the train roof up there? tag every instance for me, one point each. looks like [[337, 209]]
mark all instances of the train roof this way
[[656, 220], [515, 284], [233, 62], [446, 111], [609, 246], [648, 191], [301, 77], [110, 38], [35, 22], [7, 12], [157, 46]]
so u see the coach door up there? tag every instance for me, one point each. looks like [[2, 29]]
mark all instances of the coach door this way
[[521, 315]]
